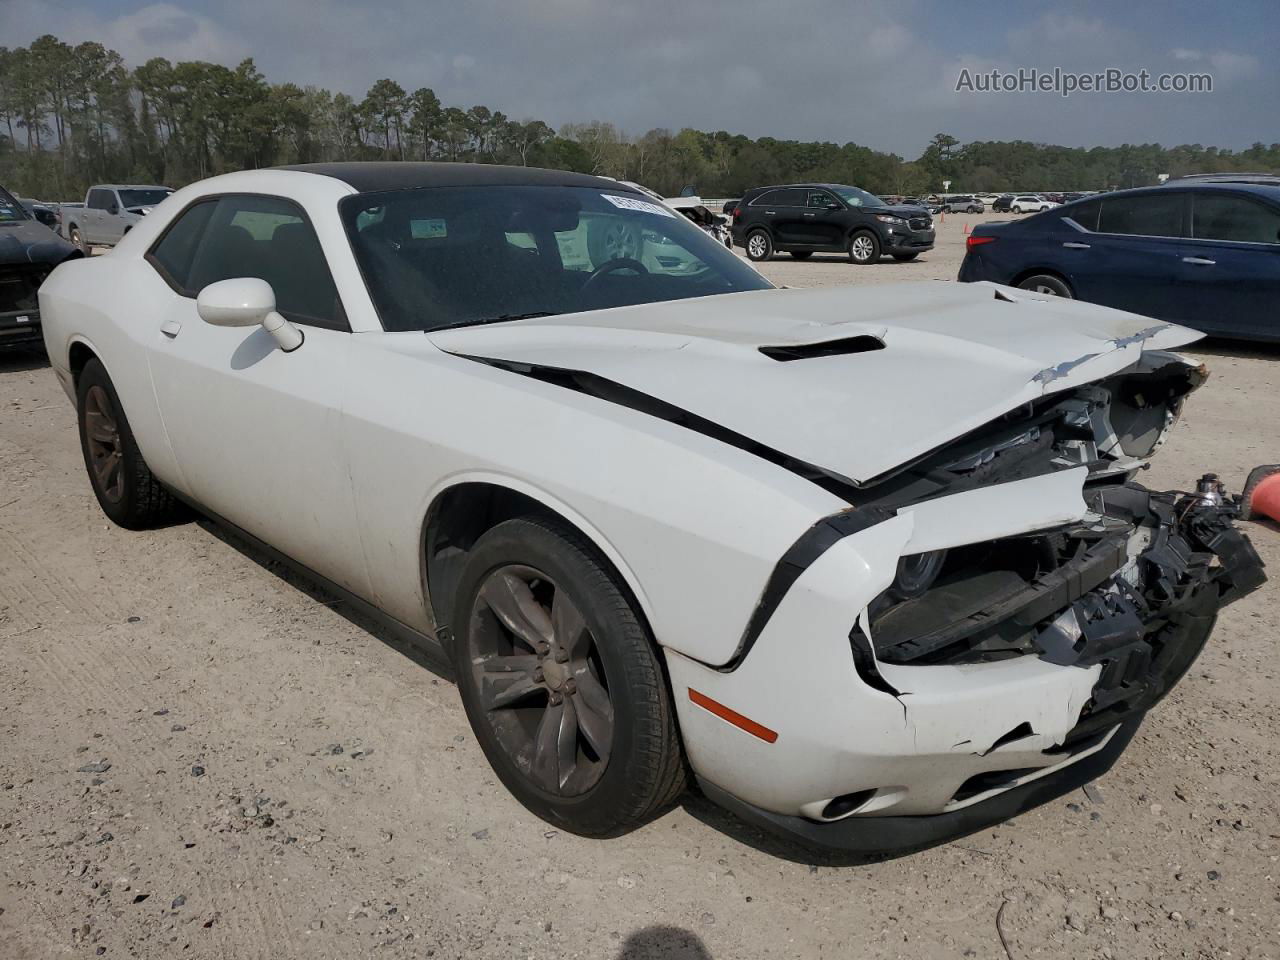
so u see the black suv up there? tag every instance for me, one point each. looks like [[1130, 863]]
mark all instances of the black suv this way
[[1002, 203], [803, 217]]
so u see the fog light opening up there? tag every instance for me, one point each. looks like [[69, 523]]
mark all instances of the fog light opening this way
[[848, 803]]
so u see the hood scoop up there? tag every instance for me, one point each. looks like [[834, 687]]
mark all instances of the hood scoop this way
[[863, 343]]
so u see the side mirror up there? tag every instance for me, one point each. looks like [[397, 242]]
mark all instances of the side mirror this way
[[247, 302], [832, 205], [113, 209]]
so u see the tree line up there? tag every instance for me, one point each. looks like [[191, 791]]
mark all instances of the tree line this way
[[75, 115]]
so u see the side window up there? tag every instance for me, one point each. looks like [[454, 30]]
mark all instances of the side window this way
[[99, 199], [1218, 216], [768, 198], [820, 199], [174, 251], [254, 236], [1086, 214], [1148, 215], [790, 198]]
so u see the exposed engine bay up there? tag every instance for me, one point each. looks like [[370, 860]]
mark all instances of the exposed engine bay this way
[[1135, 585]]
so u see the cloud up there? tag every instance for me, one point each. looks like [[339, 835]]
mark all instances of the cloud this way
[[153, 30], [877, 72]]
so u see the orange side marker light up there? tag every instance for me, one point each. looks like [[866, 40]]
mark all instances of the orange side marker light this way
[[737, 719]]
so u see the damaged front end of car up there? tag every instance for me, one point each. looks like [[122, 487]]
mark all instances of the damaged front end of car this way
[[1134, 588], [1021, 665]]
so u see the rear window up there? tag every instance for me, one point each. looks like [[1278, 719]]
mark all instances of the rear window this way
[[1085, 214], [1148, 215]]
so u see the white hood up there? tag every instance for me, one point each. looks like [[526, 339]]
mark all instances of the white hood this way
[[955, 357]]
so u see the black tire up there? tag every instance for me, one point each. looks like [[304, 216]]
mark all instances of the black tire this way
[[905, 257], [759, 245], [1047, 283], [801, 254], [129, 495], [643, 765], [860, 251]]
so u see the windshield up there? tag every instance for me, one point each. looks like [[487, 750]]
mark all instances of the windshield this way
[[10, 209], [452, 256], [859, 198], [143, 198]]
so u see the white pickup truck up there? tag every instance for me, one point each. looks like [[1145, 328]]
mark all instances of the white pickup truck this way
[[109, 211]]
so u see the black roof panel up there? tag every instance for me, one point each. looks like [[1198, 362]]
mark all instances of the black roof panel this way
[[371, 176]]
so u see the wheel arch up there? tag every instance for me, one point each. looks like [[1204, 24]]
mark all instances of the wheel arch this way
[[79, 353], [467, 507]]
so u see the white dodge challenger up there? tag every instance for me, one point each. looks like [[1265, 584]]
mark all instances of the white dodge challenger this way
[[868, 564]]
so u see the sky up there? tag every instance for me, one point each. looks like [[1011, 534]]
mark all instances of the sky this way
[[881, 73]]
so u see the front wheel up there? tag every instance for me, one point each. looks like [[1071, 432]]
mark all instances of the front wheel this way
[[759, 246], [561, 681], [77, 239], [1047, 283], [864, 248], [127, 491]]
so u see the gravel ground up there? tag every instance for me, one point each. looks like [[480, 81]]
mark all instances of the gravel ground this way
[[201, 756]]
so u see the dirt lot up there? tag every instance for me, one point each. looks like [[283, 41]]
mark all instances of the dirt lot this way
[[282, 782]]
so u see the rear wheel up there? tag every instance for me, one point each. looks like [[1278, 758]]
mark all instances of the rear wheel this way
[[123, 483], [561, 681], [759, 245], [801, 254], [864, 248], [1047, 283]]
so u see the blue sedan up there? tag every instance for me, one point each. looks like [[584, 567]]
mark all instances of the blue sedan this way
[[1206, 255]]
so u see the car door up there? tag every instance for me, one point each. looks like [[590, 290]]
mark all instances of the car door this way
[[821, 221], [256, 432], [1133, 259], [786, 213], [1231, 265], [91, 216], [111, 223]]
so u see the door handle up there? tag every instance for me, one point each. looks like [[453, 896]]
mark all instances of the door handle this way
[[810, 214], [171, 328], [1200, 261], [770, 213], [1072, 245]]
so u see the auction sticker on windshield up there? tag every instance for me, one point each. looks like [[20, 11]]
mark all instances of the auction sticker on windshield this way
[[644, 206]]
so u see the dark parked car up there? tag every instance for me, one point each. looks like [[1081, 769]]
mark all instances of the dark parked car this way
[[1206, 255], [41, 212], [1002, 203], [803, 217], [28, 253]]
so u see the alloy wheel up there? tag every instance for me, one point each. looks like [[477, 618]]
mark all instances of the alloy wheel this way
[[106, 451], [540, 680], [756, 245], [862, 248]]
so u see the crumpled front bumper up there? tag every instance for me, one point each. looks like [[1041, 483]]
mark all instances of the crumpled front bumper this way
[[874, 755]]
